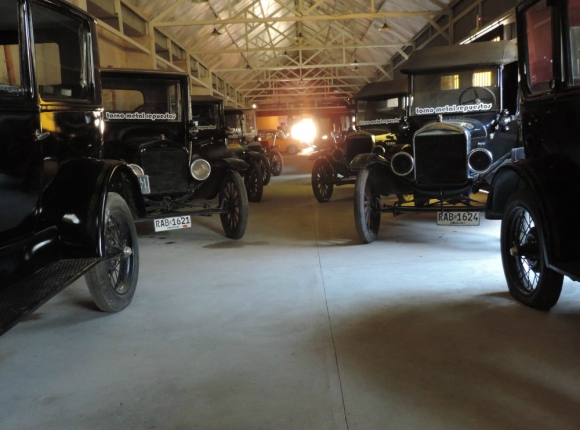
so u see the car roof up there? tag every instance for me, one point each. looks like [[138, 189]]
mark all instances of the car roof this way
[[461, 56], [377, 90]]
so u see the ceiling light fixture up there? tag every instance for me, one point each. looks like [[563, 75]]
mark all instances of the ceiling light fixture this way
[[285, 54], [215, 32], [385, 27], [300, 36], [354, 63], [248, 67]]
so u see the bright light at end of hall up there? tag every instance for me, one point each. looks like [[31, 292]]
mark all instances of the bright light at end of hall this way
[[304, 131], [254, 106]]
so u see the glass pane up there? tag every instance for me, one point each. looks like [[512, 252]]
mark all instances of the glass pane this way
[[574, 20], [10, 77], [61, 46], [539, 35], [481, 79], [141, 99], [449, 82], [447, 94], [206, 115]]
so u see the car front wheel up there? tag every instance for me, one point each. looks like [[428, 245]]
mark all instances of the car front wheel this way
[[277, 163], [367, 204], [322, 180], [113, 281], [529, 280], [234, 200]]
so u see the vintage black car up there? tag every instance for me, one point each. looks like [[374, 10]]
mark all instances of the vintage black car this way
[[240, 147], [64, 212], [540, 230], [268, 140], [462, 126], [380, 107], [149, 125], [208, 115]]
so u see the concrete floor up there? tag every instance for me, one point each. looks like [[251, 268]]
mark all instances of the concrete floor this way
[[299, 326]]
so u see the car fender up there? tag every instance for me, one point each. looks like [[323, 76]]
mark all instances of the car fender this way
[[363, 160], [210, 187], [74, 202], [552, 182]]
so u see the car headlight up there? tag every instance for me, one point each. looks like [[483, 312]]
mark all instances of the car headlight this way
[[480, 160], [402, 163], [200, 170], [138, 170]]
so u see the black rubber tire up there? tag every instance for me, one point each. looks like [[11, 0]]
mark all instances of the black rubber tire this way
[[266, 169], [277, 163], [322, 175], [233, 191], [292, 149], [367, 201], [113, 281], [529, 280], [254, 182]]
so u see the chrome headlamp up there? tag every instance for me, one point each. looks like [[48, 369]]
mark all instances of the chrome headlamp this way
[[200, 169]]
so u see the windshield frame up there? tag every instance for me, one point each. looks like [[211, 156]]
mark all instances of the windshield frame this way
[[364, 120], [450, 108], [144, 85]]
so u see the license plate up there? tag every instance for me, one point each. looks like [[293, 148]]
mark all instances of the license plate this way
[[458, 218], [144, 183], [172, 223]]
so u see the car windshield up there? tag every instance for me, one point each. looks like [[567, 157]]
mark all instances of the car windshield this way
[[234, 123], [465, 91], [205, 115], [141, 99], [372, 112]]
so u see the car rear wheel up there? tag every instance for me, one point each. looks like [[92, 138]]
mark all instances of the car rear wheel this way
[[113, 281], [234, 199], [266, 169], [529, 280], [367, 204], [277, 163], [254, 182], [322, 180]]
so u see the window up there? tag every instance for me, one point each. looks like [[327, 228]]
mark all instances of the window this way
[[539, 47], [450, 82], [122, 100], [10, 75], [62, 54], [481, 79], [150, 99], [574, 23]]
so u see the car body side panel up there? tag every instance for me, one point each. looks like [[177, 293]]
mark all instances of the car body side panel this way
[[548, 179]]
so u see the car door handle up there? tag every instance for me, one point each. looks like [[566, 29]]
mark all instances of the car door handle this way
[[40, 135]]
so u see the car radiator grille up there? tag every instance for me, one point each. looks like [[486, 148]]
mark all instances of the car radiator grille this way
[[441, 159], [358, 145], [167, 169]]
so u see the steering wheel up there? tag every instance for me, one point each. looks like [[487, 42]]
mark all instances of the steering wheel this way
[[477, 99], [148, 106]]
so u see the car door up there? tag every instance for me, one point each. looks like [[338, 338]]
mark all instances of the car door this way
[[20, 149], [538, 78]]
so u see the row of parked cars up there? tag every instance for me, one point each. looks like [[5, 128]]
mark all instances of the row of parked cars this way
[[85, 153], [473, 118]]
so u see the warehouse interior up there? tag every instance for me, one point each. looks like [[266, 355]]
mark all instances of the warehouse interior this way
[[298, 324]]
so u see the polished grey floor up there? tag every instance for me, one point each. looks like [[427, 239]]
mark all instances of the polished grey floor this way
[[299, 326]]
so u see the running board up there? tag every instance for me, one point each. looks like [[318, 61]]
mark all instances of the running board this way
[[23, 298]]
